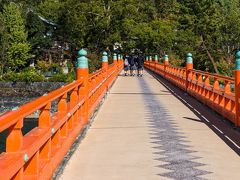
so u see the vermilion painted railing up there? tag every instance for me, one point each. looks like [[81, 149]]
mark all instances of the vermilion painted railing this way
[[221, 93], [37, 154]]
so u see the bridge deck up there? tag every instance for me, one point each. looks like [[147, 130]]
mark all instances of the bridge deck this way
[[144, 132]]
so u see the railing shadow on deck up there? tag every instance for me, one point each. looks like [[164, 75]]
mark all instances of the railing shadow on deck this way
[[223, 128]]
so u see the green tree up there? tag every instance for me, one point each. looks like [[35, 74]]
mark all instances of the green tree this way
[[37, 32], [18, 47]]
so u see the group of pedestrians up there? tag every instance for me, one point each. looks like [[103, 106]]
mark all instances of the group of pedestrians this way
[[133, 64]]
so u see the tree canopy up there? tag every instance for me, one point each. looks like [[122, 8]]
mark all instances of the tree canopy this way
[[209, 29]]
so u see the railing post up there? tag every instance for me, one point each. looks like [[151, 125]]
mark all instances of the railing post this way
[[119, 59], [166, 63], [105, 66], [147, 61], [105, 60], [189, 66], [82, 73], [237, 88], [156, 61], [14, 142], [121, 56], [115, 59], [150, 62]]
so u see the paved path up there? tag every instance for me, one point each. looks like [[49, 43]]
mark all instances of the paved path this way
[[143, 132]]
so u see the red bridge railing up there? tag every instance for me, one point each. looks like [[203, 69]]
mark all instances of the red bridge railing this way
[[221, 93], [37, 154]]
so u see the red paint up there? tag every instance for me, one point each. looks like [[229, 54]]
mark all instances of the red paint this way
[[47, 144], [205, 87]]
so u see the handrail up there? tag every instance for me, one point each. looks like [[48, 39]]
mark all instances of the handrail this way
[[11, 117], [216, 91], [37, 154], [214, 75]]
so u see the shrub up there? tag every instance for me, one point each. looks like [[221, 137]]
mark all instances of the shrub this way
[[27, 75], [62, 78], [94, 62], [46, 66]]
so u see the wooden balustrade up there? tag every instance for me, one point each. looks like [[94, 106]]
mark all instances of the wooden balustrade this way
[[221, 93], [37, 154]]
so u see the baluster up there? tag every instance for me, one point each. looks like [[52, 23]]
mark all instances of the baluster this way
[[14, 139], [206, 85], [199, 90], [45, 116], [223, 100], [14, 142], [62, 104], [216, 87], [45, 122], [227, 90], [216, 83], [73, 102], [182, 76], [32, 165], [194, 81], [62, 110]]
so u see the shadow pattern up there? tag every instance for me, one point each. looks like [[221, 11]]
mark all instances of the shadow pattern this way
[[168, 142]]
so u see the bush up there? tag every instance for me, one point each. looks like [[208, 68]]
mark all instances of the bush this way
[[42, 65], [94, 62], [46, 66], [62, 78], [27, 75]]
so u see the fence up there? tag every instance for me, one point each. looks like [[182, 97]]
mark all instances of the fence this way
[[221, 93], [37, 154]]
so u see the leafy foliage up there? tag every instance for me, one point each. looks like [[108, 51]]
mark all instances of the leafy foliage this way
[[15, 37], [209, 29], [27, 75]]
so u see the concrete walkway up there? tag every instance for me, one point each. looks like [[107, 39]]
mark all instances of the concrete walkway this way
[[143, 132]]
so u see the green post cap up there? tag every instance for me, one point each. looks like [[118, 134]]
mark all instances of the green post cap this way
[[115, 57], [165, 57], [105, 57], [150, 58], [156, 57], [237, 62], [189, 58], [82, 61]]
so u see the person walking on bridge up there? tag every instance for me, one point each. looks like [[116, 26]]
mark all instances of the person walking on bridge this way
[[140, 62], [132, 62], [126, 65]]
